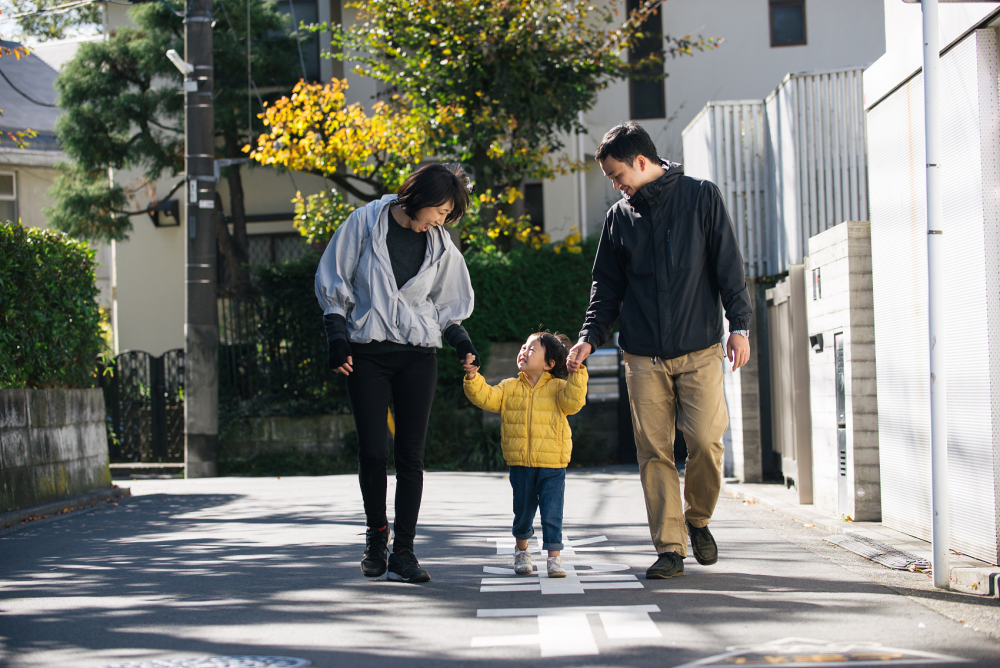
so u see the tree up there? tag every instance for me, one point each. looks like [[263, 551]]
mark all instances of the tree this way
[[124, 110], [57, 19], [505, 78], [365, 154]]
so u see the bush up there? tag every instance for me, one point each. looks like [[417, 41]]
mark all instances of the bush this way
[[527, 290], [50, 323]]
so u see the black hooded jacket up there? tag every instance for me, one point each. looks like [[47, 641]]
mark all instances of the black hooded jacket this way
[[667, 263]]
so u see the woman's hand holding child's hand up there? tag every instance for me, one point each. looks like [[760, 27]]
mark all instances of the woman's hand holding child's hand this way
[[470, 367]]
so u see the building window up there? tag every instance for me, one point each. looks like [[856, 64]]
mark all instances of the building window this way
[[646, 97], [8, 197], [304, 11], [534, 204], [788, 22]]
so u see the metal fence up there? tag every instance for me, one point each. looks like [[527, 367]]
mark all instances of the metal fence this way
[[144, 396], [270, 354], [789, 167], [725, 144]]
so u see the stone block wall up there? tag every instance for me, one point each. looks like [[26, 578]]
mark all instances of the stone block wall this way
[[318, 433], [53, 445], [844, 306]]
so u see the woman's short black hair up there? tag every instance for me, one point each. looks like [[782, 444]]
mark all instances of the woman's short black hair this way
[[434, 185], [556, 350], [625, 142]]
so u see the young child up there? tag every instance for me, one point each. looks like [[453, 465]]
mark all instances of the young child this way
[[535, 438]]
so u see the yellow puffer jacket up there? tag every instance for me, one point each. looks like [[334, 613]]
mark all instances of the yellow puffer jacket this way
[[533, 426]]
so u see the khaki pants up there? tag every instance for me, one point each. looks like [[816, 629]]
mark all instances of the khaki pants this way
[[691, 385]]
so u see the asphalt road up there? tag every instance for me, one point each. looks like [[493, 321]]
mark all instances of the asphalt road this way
[[254, 567]]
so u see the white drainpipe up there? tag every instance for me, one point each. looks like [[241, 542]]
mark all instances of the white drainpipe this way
[[936, 297]]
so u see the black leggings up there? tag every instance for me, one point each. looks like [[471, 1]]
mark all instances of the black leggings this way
[[410, 378]]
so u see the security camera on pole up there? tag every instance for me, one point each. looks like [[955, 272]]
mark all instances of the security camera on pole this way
[[201, 326]]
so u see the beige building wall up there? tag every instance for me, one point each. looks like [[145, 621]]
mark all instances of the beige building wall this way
[[746, 66]]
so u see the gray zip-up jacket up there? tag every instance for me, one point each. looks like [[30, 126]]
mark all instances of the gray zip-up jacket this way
[[355, 280]]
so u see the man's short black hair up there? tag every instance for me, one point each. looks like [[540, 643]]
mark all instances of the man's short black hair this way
[[625, 142], [434, 185]]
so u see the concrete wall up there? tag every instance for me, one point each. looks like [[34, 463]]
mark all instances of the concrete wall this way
[[320, 433], [53, 444], [842, 255]]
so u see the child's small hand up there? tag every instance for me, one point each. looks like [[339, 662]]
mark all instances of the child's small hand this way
[[470, 367]]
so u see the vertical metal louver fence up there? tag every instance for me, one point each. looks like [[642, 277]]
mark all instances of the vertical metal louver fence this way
[[725, 144], [971, 189], [817, 157], [790, 167]]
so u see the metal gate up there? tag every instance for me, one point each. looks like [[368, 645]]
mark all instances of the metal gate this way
[[788, 346], [144, 396]]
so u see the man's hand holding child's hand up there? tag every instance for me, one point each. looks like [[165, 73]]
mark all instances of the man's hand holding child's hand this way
[[469, 366]]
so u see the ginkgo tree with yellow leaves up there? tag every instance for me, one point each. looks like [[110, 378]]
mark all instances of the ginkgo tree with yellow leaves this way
[[492, 85], [365, 153]]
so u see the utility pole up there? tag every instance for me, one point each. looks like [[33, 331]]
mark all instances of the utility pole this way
[[201, 326]]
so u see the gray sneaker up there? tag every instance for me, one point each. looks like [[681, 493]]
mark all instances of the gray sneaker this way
[[555, 567], [522, 562]]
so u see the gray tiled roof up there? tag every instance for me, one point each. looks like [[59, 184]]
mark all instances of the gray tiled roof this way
[[34, 79]]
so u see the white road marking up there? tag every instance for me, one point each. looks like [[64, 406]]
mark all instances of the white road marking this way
[[565, 631], [505, 544], [575, 582]]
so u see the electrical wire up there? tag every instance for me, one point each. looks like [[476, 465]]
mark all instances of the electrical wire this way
[[25, 95], [298, 37], [68, 7], [173, 11]]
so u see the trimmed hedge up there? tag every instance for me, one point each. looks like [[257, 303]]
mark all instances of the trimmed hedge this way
[[49, 318], [527, 290]]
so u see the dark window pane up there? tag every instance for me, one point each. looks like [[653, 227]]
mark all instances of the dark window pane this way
[[646, 98], [306, 11], [534, 204], [788, 25]]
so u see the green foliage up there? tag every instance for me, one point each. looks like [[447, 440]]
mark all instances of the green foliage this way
[[124, 108], [505, 77], [87, 207], [43, 23], [318, 216], [49, 319], [525, 290]]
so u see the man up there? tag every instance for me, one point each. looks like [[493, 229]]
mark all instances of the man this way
[[667, 263]]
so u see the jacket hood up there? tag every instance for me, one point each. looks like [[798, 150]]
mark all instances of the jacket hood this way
[[654, 189]]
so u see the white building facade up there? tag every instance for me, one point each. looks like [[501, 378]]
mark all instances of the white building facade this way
[[970, 111]]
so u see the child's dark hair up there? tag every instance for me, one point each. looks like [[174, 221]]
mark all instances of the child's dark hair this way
[[556, 349]]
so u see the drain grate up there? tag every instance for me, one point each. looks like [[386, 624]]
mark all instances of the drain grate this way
[[877, 552], [218, 662]]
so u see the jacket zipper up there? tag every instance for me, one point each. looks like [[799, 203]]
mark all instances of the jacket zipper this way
[[670, 251], [531, 400]]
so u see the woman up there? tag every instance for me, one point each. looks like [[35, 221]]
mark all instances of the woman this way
[[392, 284]]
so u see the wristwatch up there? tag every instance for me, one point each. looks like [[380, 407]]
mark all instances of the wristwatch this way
[[745, 333]]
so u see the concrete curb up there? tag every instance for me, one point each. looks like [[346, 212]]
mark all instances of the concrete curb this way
[[14, 518], [968, 575]]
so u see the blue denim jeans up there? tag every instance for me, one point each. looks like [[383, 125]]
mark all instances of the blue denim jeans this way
[[538, 488]]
